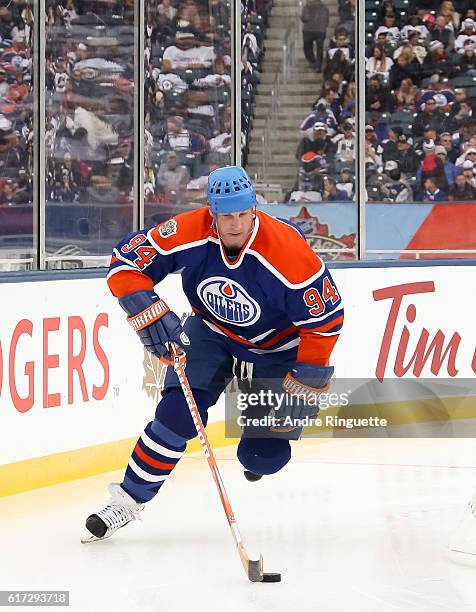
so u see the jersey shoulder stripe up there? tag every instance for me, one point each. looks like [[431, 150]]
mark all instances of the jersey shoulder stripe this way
[[281, 248], [184, 231]]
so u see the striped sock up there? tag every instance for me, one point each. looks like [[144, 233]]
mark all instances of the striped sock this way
[[155, 455]]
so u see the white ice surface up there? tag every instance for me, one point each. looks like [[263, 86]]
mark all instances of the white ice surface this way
[[352, 525]]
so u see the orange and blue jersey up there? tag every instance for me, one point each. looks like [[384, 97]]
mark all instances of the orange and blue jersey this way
[[275, 295]]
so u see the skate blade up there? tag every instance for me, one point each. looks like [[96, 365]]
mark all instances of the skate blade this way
[[88, 537]]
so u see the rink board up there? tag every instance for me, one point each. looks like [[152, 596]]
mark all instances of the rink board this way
[[76, 388]]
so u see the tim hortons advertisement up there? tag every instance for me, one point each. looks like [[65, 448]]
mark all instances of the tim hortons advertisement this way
[[73, 374]]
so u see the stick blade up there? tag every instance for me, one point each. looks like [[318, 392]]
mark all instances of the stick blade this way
[[255, 570]]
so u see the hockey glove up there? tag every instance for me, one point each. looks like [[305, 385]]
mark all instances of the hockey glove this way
[[304, 384], [153, 321]]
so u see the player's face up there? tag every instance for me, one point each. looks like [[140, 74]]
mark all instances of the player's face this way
[[234, 228]]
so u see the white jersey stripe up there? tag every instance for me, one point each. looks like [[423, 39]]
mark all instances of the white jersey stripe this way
[[120, 269], [261, 336], [116, 254], [214, 328], [282, 278], [326, 333], [318, 319], [143, 474], [158, 448], [285, 347]]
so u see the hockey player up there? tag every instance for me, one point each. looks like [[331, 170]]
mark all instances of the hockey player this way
[[259, 294]]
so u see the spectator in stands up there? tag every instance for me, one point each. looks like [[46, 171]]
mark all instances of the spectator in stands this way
[[341, 41], [189, 52], [453, 18], [330, 101], [446, 141], [377, 95], [407, 159], [461, 190], [322, 114], [414, 22], [469, 172], [429, 115], [315, 20], [466, 37], [67, 191], [320, 142], [390, 27], [433, 167], [172, 178], [373, 150], [395, 188], [437, 88], [379, 63], [436, 62], [413, 48], [428, 147], [346, 182], [466, 61], [431, 193], [345, 142], [338, 65], [402, 69], [404, 98], [442, 33], [348, 100], [331, 193], [383, 41], [389, 145]]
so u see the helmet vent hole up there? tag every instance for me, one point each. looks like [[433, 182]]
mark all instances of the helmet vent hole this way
[[227, 190], [237, 188]]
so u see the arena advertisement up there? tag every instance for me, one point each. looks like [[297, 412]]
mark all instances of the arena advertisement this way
[[331, 228], [73, 375]]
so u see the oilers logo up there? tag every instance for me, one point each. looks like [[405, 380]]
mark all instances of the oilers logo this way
[[228, 301]]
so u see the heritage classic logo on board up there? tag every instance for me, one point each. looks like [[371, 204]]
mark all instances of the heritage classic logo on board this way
[[228, 301]]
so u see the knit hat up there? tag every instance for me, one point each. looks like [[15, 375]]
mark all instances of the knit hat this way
[[435, 44]]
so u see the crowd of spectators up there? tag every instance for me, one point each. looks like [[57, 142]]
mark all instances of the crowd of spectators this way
[[89, 72], [420, 135], [421, 78], [326, 151], [188, 93], [16, 103], [187, 96]]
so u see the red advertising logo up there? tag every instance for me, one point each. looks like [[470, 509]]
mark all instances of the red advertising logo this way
[[433, 347], [70, 364]]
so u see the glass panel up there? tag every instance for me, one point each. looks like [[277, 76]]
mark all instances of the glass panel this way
[[187, 102], [89, 142], [298, 115], [421, 136], [17, 212]]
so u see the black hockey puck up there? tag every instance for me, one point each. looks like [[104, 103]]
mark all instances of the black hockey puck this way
[[252, 477], [270, 577]]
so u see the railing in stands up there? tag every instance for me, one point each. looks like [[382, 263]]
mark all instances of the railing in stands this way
[[289, 48]]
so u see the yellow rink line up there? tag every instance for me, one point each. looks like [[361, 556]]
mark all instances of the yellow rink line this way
[[44, 471], [49, 470]]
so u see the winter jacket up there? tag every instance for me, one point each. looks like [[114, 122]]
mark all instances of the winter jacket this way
[[315, 16]]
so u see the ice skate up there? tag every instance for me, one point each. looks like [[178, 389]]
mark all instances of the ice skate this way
[[119, 510]]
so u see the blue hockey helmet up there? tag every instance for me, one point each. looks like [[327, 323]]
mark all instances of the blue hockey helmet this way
[[230, 190]]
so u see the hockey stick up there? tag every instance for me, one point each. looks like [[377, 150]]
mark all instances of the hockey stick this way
[[253, 569]]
